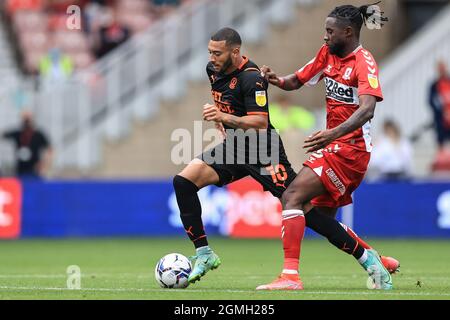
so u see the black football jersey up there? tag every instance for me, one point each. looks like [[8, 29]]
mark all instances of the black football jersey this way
[[240, 93]]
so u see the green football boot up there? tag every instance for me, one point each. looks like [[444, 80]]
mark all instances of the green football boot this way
[[205, 260], [379, 277]]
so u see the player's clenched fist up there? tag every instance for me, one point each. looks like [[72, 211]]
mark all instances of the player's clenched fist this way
[[270, 75], [211, 113]]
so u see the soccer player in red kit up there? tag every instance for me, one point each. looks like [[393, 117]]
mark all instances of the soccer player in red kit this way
[[340, 154]]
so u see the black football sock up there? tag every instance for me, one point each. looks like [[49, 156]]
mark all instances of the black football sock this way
[[190, 210], [334, 232]]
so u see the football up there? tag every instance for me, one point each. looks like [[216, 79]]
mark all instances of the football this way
[[172, 271]]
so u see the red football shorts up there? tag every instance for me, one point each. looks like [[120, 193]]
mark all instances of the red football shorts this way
[[341, 168]]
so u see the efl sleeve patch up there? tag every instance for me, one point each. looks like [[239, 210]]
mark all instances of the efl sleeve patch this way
[[373, 80], [260, 98]]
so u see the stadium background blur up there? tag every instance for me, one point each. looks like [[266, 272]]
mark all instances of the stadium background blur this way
[[132, 77]]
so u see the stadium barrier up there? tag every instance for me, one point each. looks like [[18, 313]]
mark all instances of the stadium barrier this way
[[33, 208]]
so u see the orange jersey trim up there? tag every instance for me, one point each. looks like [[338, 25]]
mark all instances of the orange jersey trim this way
[[261, 112], [244, 61]]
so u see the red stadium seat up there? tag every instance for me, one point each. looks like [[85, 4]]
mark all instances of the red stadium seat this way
[[57, 21], [41, 24], [14, 5]]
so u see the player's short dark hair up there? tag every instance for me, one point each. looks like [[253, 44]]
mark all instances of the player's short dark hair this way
[[354, 16], [230, 36]]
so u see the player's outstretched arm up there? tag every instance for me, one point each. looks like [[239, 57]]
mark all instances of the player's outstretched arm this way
[[288, 83], [212, 113], [363, 114]]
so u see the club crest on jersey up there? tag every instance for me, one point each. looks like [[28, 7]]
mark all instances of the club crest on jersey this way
[[233, 83], [347, 74], [373, 80], [260, 98]]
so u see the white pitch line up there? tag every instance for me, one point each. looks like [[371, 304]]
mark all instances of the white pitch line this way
[[305, 292]]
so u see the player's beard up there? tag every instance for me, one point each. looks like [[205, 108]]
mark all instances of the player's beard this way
[[226, 65], [337, 48]]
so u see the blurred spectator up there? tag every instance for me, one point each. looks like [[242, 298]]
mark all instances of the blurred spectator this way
[[439, 100], [95, 15], [112, 35], [33, 151], [285, 115], [391, 157], [55, 67]]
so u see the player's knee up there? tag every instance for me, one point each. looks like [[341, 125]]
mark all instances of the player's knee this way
[[183, 185], [291, 199]]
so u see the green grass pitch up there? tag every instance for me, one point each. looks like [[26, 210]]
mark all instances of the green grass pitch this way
[[124, 269]]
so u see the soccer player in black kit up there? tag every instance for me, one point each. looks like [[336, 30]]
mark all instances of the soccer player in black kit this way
[[240, 111]]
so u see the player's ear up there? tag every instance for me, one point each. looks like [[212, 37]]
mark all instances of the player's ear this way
[[349, 31], [236, 51]]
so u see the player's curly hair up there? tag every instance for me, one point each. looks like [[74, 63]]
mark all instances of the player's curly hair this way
[[355, 16]]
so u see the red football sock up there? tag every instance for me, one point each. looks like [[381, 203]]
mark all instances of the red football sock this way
[[292, 232], [352, 234]]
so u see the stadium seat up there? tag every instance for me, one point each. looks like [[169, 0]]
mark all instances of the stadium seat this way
[[39, 25], [14, 5]]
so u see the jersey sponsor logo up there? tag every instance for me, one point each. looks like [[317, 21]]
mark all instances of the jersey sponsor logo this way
[[373, 80], [335, 180], [233, 83], [223, 106], [260, 98], [318, 170], [340, 92]]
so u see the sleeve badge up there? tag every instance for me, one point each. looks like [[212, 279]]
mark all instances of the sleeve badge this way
[[260, 98], [373, 80]]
